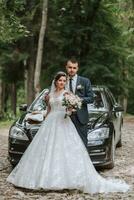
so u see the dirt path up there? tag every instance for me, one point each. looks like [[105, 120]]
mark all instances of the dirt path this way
[[124, 169]]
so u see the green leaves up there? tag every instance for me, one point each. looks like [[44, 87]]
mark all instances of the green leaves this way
[[11, 28], [100, 33]]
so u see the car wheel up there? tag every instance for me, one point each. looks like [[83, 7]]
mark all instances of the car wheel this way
[[111, 165]]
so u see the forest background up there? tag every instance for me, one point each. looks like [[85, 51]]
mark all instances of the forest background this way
[[37, 37]]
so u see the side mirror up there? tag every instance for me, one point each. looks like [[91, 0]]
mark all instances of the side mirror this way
[[23, 107], [118, 108]]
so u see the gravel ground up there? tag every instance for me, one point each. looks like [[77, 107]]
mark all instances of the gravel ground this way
[[124, 169]]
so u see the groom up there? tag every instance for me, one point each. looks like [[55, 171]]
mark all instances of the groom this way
[[80, 86]]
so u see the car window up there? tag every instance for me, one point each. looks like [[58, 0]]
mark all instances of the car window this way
[[110, 98], [99, 101], [39, 103]]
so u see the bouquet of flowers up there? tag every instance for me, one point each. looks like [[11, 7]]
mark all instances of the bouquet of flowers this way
[[72, 103]]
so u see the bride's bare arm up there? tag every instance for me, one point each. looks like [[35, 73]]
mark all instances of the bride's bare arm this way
[[48, 110], [48, 105]]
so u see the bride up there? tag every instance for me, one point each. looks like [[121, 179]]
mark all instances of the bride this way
[[56, 158]]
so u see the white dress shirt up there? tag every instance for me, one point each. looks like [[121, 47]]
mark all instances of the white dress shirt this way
[[74, 82]]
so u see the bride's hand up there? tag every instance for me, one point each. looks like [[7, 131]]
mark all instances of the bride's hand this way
[[46, 98], [66, 93], [71, 110]]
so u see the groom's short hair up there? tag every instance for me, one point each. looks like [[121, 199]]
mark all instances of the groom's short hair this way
[[73, 60]]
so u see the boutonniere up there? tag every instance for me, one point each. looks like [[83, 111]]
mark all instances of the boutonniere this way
[[79, 87]]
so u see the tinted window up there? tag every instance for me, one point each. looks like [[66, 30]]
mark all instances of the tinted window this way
[[99, 101], [39, 103], [110, 98]]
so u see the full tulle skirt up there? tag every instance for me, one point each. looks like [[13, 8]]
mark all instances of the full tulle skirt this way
[[57, 159]]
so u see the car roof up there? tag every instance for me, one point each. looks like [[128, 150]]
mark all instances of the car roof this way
[[99, 87]]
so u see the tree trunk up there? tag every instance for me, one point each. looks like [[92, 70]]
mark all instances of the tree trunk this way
[[5, 96], [29, 75], [125, 104], [13, 98], [90, 19], [1, 99], [132, 4], [29, 72], [40, 48]]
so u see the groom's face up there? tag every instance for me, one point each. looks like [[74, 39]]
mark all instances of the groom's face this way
[[72, 68]]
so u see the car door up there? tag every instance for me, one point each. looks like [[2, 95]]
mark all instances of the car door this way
[[117, 116]]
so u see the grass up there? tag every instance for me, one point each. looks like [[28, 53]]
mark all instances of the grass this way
[[8, 119], [6, 123]]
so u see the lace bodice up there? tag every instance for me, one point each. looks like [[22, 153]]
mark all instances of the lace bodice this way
[[56, 102]]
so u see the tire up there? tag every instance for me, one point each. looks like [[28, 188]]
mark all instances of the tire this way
[[111, 164]]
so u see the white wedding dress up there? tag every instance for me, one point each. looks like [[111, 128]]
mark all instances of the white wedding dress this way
[[57, 159]]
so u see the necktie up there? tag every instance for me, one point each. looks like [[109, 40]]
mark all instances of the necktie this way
[[70, 84]]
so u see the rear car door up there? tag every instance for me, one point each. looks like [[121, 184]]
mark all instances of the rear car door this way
[[116, 116]]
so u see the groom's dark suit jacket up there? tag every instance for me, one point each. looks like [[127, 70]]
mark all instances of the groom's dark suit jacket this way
[[84, 91]]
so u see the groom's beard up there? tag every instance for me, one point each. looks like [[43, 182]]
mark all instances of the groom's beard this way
[[69, 76]]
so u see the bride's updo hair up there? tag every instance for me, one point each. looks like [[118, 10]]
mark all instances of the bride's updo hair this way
[[58, 75]]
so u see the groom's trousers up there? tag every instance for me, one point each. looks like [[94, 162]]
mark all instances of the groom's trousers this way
[[81, 128]]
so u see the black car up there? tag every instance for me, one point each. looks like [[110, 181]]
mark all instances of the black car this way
[[104, 128]]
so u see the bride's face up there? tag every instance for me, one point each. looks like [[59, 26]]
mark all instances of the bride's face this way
[[61, 82]]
